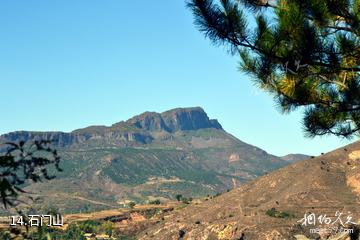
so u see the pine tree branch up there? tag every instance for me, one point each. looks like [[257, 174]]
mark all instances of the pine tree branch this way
[[321, 64], [338, 28], [264, 4], [332, 82]]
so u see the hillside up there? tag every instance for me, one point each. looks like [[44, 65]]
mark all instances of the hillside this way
[[271, 206], [150, 156], [295, 157]]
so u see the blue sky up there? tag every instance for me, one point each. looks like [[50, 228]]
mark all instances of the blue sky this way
[[69, 64]]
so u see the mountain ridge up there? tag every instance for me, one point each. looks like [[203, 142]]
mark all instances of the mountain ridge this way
[[294, 157], [133, 129], [151, 155]]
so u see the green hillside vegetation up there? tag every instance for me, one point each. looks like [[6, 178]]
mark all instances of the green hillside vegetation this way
[[149, 156]]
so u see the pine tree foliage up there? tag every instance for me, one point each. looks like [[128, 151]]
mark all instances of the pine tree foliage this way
[[306, 53]]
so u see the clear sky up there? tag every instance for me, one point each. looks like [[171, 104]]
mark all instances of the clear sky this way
[[70, 64]]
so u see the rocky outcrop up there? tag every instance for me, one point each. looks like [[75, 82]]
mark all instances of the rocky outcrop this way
[[80, 139], [149, 121], [60, 139], [136, 130], [179, 119], [188, 119]]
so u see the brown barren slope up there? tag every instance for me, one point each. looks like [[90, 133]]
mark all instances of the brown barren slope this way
[[321, 185]]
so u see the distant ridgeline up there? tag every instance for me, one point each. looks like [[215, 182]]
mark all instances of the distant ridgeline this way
[[135, 131], [180, 151]]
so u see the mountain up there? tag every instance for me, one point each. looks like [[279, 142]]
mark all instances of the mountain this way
[[273, 206], [150, 156], [295, 157], [134, 132]]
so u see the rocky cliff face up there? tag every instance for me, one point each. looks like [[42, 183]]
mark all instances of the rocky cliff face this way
[[188, 119], [134, 131], [178, 119], [149, 121], [60, 138]]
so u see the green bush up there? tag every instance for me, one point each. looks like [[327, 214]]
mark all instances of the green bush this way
[[89, 226], [5, 235], [178, 197], [74, 232], [155, 202], [107, 228], [278, 214], [132, 204]]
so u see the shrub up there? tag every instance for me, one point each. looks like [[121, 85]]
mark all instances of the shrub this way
[[156, 202], [278, 214], [178, 197], [88, 226], [186, 200], [107, 227], [74, 232], [132, 204]]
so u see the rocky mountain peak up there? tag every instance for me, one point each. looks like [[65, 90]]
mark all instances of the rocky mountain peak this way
[[136, 130], [150, 121], [177, 119]]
